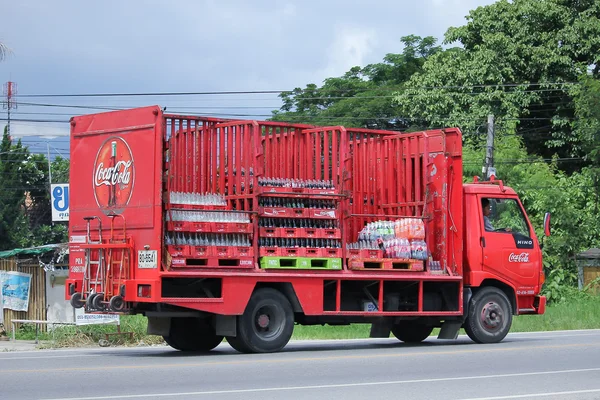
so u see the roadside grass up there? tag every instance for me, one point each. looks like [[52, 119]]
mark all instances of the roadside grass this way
[[577, 313]]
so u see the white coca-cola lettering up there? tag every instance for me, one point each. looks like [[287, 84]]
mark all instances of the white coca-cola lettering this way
[[518, 258], [119, 174]]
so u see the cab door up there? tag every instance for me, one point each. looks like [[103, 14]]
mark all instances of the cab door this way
[[510, 249]]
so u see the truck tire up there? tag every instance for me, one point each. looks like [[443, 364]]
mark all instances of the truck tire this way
[[489, 316], [266, 325], [411, 331], [192, 334]]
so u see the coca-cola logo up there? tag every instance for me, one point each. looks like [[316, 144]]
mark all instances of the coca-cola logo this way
[[114, 176], [518, 258]]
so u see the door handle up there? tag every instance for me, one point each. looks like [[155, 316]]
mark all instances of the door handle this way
[[482, 241]]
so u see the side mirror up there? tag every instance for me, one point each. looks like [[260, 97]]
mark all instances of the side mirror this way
[[547, 224]]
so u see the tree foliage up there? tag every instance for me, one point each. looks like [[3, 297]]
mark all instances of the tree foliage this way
[[362, 96], [517, 60], [25, 213]]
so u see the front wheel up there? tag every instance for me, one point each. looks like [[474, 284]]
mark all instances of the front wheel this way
[[266, 325], [489, 317]]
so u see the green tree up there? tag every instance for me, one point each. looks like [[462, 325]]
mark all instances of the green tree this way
[[361, 97], [516, 60]]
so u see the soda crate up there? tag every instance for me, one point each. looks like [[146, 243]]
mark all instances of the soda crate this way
[[292, 232], [295, 192], [291, 252], [269, 251], [200, 251], [213, 262], [222, 251], [330, 233], [311, 232], [321, 213], [387, 264], [178, 226], [364, 253], [331, 253], [301, 263], [313, 252], [198, 207], [231, 227], [242, 251], [179, 250], [269, 232], [200, 227], [285, 212]]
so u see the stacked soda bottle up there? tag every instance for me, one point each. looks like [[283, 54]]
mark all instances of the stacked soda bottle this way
[[198, 199], [403, 238], [207, 239], [299, 242], [296, 183], [298, 223], [281, 202]]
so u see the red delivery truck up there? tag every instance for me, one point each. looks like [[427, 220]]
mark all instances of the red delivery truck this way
[[235, 229]]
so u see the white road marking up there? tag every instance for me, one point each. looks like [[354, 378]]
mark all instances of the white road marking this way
[[46, 357], [527, 396], [333, 386]]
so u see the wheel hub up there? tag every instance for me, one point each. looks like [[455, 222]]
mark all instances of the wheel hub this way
[[492, 316], [263, 321]]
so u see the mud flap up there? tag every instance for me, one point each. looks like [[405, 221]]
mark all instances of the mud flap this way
[[450, 330], [381, 329], [160, 326]]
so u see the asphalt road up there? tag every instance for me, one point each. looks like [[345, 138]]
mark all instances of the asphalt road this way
[[553, 365]]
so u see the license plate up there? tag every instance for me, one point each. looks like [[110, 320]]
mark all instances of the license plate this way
[[147, 259]]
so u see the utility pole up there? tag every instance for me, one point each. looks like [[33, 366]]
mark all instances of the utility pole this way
[[488, 167], [10, 90]]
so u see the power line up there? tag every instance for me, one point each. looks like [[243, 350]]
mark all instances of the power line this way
[[294, 91]]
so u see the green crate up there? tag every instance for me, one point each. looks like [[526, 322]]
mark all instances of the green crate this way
[[300, 263]]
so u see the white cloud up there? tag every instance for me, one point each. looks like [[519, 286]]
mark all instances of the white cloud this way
[[351, 46]]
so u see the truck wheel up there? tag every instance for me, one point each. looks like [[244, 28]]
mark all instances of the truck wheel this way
[[266, 325], [192, 334], [489, 317], [411, 332]]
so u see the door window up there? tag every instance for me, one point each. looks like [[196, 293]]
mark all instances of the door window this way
[[504, 216]]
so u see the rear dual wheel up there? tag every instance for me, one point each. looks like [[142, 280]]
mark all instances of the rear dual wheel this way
[[192, 334], [266, 325], [411, 331]]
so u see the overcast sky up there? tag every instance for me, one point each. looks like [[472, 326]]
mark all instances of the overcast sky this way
[[137, 46]]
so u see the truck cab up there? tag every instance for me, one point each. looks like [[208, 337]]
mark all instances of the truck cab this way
[[501, 252]]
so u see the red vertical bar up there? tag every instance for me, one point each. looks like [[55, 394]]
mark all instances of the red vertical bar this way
[[204, 156], [173, 159], [419, 178], [182, 157], [232, 167], [189, 156], [222, 154], [379, 169], [284, 155], [310, 150], [402, 174], [364, 200], [241, 168], [318, 154], [326, 152], [408, 175], [213, 160], [393, 167], [335, 168]]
